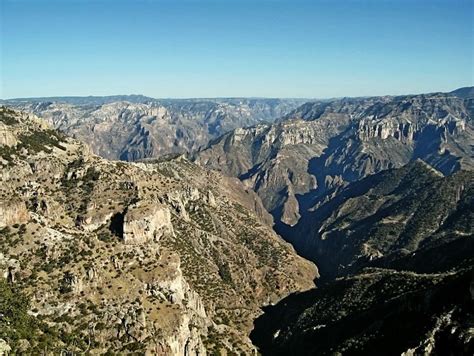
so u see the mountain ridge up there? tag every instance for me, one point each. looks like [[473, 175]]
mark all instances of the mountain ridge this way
[[180, 258], [322, 145], [130, 257], [143, 128], [414, 299]]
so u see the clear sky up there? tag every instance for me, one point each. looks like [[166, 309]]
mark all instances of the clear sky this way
[[165, 48]]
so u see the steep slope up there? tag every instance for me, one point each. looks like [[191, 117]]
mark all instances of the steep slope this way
[[376, 312], [162, 256], [386, 216], [324, 145], [403, 242], [136, 127], [465, 92]]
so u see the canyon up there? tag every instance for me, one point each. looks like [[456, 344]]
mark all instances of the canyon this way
[[165, 226]]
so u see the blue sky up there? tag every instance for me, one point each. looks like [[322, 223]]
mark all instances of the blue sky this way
[[165, 48]]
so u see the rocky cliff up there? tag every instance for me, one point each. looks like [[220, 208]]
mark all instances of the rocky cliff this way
[[401, 244], [386, 216], [378, 191], [158, 257], [134, 127], [324, 145]]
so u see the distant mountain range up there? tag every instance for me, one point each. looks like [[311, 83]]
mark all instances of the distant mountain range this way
[[293, 163], [136, 127]]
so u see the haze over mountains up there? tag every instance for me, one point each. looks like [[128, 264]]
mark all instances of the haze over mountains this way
[[137, 127], [178, 253]]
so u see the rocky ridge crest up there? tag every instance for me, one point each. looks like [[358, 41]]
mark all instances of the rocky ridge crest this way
[[157, 257], [324, 145]]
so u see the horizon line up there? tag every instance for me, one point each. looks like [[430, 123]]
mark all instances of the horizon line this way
[[226, 97]]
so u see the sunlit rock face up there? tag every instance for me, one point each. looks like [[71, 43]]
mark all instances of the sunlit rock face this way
[[12, 212], [157, 257], [325, 145], [132, 128], [146, 222]]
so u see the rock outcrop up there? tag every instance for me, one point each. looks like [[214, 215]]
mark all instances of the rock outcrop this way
[[6, 137], [145, 222], [324, 145], [12, 212], [132, 128], [157, 257]]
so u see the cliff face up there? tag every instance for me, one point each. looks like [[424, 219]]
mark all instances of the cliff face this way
[[395, 248], [324, 145], [375, 312], [146, 222], [129, 128], [386, 215], [396, 251], [13, 212], [160, 257]]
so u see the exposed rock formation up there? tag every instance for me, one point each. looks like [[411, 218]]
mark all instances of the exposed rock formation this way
[[146, 221], [388, 214], [6, 137], [12, 212], [160, 257], [401, 243], [132, 128], [324, 145]]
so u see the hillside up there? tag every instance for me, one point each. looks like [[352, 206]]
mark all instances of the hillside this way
[[134, 127], [401, 244], [392, 213], [376, 312], [116, 257], [325, 145]]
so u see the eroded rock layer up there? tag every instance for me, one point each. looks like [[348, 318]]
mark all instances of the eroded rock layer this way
[[324, 145], [134, 127], [157, 257]]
